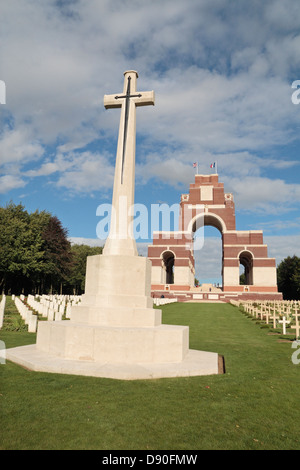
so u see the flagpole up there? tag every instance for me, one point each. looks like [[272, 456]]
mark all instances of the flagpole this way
[[216, 167], [197, 168]]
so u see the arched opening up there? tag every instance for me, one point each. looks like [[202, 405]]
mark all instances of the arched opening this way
[[246, 268], [208, 250], [207, 219], [168, 259]]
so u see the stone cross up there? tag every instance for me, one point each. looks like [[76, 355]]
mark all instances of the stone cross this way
[[284, 323], [297, 326], [261, 311], [268, 314], [120, 240], [274, 317]]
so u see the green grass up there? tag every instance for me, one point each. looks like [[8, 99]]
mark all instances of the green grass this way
[[12, 319], [254, 405]]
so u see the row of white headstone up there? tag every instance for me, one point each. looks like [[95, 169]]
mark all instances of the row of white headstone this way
[[28, 316], [2, 308], [285, 312], [163, 301], [52, 307]]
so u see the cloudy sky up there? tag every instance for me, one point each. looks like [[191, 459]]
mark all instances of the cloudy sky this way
[[222, 72]]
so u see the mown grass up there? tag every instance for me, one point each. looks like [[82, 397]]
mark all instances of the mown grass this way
[[254, 405]]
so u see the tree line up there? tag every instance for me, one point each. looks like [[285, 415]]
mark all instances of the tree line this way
[[36, 256]]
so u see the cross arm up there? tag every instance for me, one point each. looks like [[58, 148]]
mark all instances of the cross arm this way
[[147, 98], [110, 101], [142, 99]]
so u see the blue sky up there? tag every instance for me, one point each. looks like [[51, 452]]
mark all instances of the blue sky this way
[[222, 72]]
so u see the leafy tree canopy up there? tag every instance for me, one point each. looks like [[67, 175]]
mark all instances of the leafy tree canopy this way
[[76, 277], [35, 253], [288, 278]]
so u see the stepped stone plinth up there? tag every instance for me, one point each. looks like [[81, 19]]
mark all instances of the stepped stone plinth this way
[[115, 331]]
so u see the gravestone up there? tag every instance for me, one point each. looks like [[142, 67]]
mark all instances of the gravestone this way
[[297, 325], [2, 309], [32, 323], [2, 352], [268, 314], [274, 317], [284, 322], [116, 332]]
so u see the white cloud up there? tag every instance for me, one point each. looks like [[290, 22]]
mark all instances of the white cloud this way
[[59, 81], [18, 146], [276, 225], [85, 172], [221, 73], [46, 169], [241, 172], [280, 247], [260, 194], [9, 182]]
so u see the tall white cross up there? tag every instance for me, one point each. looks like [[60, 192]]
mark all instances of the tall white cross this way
[[121, 240]]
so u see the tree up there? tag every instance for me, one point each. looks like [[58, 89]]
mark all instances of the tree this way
[[76, 278], [20, 247], [288, 278], [38, 221], [35, 254], [57, 257]]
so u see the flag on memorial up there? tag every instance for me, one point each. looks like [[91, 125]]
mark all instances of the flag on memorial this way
[[213, 165], [195, 165]]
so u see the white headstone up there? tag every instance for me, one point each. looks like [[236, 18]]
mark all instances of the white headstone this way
[[2, 309]]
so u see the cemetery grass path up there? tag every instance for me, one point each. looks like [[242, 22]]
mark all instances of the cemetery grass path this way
[[254, 405]]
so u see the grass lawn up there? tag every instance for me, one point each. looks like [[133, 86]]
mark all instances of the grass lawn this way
[[254, 405]]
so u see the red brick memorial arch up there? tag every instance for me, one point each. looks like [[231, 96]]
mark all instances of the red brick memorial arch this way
[[173, 253]]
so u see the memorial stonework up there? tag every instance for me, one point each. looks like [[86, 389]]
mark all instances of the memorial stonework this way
[[173, 258], [115, 331]]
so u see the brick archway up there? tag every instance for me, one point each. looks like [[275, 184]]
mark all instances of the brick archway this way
[[208, 204], [246, 260], [205, 219]]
